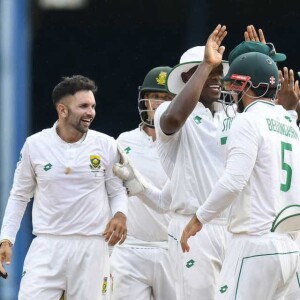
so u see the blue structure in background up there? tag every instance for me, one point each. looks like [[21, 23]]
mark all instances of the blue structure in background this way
[[14, 120]]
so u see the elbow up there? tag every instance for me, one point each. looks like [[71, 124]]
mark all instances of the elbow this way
[[171, 123], [235, 184]]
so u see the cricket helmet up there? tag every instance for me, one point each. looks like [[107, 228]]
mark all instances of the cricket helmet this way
[[253, 70], [155, 81]]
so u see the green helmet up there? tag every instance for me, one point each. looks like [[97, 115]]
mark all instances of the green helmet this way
[[252, 70], [257, 69], [155, 81]]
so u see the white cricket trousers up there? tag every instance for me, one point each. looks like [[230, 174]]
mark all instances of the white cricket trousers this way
[[258, 267], [54, 264], [197, 271], [294, 290], [140, 272]]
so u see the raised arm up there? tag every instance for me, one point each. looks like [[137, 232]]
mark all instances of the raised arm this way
[[184, 103]]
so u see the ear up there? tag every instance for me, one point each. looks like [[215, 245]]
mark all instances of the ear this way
[[62, 110], [184, 77]]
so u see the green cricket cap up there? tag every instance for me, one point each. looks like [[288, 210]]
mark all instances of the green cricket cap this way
[[250, 46]]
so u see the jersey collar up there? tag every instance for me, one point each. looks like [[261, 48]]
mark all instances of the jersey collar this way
[[258, 101]]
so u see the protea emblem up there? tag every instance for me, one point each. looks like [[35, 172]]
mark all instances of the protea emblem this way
[[161, 79], [95, 162]]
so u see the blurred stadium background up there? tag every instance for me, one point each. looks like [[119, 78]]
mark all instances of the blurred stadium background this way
[[114, 42]]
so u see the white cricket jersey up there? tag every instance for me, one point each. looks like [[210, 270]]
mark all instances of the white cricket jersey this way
[[74, 189], [145, 226], [262, 170], [193, 157]]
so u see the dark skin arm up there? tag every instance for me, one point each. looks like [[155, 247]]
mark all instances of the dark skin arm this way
[[184, 103]]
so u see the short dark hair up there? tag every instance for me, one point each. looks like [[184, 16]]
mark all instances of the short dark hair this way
[[72, 85], [269, 93]]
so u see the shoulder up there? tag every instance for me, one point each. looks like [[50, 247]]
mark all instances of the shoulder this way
[[39, 136], [162, 107], [128, 135], [101, 137]]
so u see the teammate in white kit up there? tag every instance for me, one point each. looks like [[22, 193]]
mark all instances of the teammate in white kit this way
[[141, 266], [79, 204], [261, 177], [192, 157]]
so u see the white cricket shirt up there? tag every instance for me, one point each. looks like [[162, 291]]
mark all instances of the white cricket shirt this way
[[74, 189], [262, 170], [145, 226], [193, 157]]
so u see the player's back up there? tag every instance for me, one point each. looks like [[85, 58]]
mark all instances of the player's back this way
[[274, 181]]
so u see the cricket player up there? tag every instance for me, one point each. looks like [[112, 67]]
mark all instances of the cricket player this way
[[141, 266], [79, 204], [187, 129], [261, 177]]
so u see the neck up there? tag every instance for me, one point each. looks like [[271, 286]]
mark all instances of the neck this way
[[209, 105], [150, 131], [67, 135]]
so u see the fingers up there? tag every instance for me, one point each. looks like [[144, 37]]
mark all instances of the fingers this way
[[123, 238], [251, 35], [2, 270], [3, 274], [116, 230], [191, 229], [261, 36], [183, 241], [281, 79], [221, 49], [288, 78], [291, 81], [288, 95], [5, 256], [246, 36], [115, 237], [220, 33], [297, 88]]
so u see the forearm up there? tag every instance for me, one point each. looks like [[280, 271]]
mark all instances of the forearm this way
[[158, 200], [14, 212], [234, 179], [184, 103], [219, 199], [119, 203]]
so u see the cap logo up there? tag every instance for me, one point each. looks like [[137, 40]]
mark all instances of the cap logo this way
[[272, 80], [161, 79]]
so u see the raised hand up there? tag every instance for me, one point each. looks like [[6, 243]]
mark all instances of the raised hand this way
[[251, 35], [213, 49], [288, 95]]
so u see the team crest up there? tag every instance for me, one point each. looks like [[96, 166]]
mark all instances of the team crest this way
[[95, 162], [161, 79], [104, 285]]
